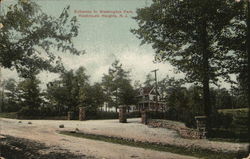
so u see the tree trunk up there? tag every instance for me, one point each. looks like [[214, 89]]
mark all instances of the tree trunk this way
[[205, 76], [248, 66], [3, 104]]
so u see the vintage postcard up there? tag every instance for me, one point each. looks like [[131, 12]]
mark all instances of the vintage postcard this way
[[120, 79]]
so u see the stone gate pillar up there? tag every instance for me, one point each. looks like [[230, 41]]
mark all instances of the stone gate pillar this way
[[82, 113], [201, 126], [122, 114], [144, 117], [70, 115]]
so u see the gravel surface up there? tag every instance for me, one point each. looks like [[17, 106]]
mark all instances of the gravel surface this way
[[18, 148], [44, 131]]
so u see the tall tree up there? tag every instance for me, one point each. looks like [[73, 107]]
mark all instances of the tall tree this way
[[29, 95], [248, 63], [137, 84], [28, 37], [70, 91], [184, 32], [56, 94], [95, 97], [167, 84], [236, 40], [11, 95], [150, 81], [117, 86]]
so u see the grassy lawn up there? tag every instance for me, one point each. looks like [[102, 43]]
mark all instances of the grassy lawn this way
[[229, 140], [234, 128], [200, 153], [233, 111]]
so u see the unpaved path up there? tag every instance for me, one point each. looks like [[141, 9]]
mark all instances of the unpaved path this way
[[44, 131]]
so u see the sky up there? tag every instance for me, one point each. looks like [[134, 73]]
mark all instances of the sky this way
[[105, 39]]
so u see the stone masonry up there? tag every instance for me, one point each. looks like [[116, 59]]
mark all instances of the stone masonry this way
[[70, 115], [144, 117], [122, 114], [82, 113], [201, 125]]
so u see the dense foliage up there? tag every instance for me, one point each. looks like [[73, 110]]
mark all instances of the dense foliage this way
[[190, 34], [117, 86], [29, 37]]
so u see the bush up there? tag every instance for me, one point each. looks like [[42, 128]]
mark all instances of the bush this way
[[230, 124], [27, 111], [172, 114], [46, 111], [12, 115], [136, 114], [220, 120], [107, 115], [103, 115], [189, 119], [156, 115], [11, 107]]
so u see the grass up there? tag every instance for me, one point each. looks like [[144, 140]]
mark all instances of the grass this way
[[232, 111], [12, 115], [236, 129], [232, 140], [196, 152]]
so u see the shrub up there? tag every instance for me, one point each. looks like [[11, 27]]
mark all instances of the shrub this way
[[101, 115], [220, 120], [136, 114], [230, 124], [27, 111]]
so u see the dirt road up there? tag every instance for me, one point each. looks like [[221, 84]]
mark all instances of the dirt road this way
[[44, 131]]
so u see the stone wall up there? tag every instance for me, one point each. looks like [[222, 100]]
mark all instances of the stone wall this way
[[182, 130], [70, 115], [82, 113], [201, 125], [122, 114], [144, 117]]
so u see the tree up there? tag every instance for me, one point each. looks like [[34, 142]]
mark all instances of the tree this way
[[172, 92], [29, 37], [70, 91], [56, 94], [117, 86], [95, 97], [150, 81], [236, 40], [168, 83], [11, 95], [195, 100], [127, 93], [2, 95], [137, 84], [185, 34], [29, 95], [239, 94], [80, 85]]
